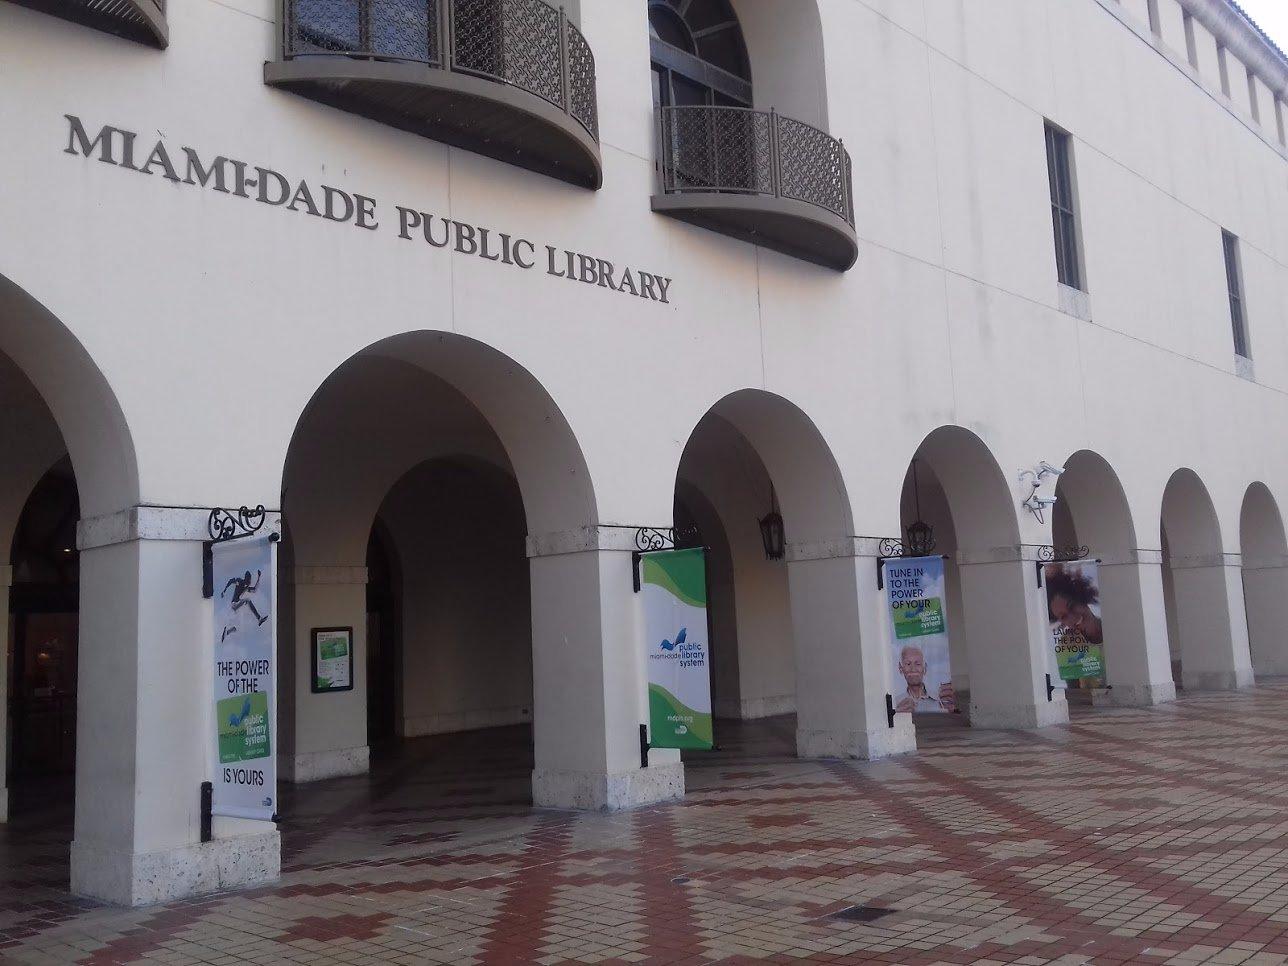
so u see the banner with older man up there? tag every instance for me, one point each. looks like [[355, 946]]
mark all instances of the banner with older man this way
[[921, 678]]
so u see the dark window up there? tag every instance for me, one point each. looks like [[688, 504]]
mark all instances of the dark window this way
[[1063, 216], [698, 53], [1233, 281]]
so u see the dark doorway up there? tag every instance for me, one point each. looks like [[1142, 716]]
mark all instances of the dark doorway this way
[[43, 630]]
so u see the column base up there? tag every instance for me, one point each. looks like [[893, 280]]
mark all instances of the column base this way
[[1216, 680], [317, 765], [863, 745], [1134, 695], [1024, 717], [595, 791], [140, 879], [4, 805], [1270, 667]]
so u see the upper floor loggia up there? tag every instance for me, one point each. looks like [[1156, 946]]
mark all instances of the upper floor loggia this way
[[510, 79], [727, 159], [142, 21]]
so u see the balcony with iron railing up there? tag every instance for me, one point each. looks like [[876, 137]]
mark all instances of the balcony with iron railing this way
[[142, 21], [760, 177], [511, 79]]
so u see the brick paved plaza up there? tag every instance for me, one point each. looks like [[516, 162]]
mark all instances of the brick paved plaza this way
[[1128, 836]]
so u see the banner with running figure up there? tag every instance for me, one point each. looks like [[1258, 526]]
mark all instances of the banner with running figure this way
[[673, 584], [245, 763], [921, 678], [1073, 607]]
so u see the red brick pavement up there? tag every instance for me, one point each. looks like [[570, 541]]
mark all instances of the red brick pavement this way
[[1155, 836]]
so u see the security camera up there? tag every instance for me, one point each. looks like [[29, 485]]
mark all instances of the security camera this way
[[1046, 468], [1044, 501]]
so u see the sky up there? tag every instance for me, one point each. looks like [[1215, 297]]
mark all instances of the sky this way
[[1272, 16]]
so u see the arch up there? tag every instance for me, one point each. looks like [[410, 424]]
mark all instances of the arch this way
[[785, 43], [988, 581], [1263, 551], [1261, 529], [979, 497], [410, 397], [1189, 517], [807, 482], [1091, 493], [77, 394], [1202, 588]]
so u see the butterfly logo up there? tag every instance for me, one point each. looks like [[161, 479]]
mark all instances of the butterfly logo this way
[[679, 639]]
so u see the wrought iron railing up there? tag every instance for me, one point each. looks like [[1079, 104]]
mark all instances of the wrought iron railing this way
[[738, 150], [526, 44]]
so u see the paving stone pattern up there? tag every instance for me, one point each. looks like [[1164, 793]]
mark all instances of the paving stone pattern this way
[[1155, 836]]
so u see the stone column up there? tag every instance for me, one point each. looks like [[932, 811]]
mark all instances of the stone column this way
[[840, 637], [326, 735], [1138, 665], [590, 691], [1211, 622], [1265, 589], [6, 581], [145, 719], [1008, 640]]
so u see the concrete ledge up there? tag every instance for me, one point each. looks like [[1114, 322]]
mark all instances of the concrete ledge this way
[[1024, 717], [862, 745], [1134, 695], [1217, 680], [583, 540], [317, 765], [1026, 552], [838, 548], [154, 523], [1131, 558], [595, 791], [144, 878], [448, 722], [1202, 561]]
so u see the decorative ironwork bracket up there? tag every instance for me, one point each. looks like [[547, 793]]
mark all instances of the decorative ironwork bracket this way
[[223, 526], [656, 539], [892, 548], [1049, 554], [890, 709]]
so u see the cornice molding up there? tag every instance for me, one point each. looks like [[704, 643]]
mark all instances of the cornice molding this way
[[1242, 39]]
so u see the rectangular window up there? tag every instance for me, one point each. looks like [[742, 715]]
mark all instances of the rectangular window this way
[[1063, 211], [1253, 99], [1191, 42], [1225, 69], [1234, 281]]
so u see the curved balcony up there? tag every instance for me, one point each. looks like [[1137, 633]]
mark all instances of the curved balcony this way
[[511, 79], [142, 21], [761, 177]]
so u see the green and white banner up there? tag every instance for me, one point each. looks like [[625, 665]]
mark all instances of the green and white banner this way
[[921, 679], [673, 584], [1073, 607], [245, 762]]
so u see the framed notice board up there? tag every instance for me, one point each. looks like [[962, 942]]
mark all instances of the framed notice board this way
[[332, 659]]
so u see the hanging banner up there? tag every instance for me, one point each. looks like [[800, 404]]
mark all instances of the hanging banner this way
[[921, 678], [1073, 607], [245, 766], [674, 587]]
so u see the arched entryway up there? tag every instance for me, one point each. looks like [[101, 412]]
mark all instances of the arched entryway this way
[[794, 633], [1263, 553], [445, 470], [1203, 591], [1092, 519], [998, 644]]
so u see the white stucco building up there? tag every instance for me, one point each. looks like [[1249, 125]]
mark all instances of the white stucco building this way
[[467, 292]]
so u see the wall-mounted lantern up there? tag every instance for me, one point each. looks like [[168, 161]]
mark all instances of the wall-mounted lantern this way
[[772, 534]]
